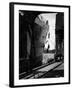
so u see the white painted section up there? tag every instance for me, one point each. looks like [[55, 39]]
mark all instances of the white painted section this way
[[47, 57]]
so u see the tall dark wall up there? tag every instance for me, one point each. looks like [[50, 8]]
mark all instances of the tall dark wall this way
[[59, 30], [25, 21], [22, 37], [60, 25]]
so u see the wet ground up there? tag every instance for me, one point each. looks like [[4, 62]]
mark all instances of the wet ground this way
[[53, 70]]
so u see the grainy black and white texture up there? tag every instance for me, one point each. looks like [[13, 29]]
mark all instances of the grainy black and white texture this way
[[41, 44]]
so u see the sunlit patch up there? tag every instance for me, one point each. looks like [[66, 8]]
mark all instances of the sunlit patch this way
[[50, 38]]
